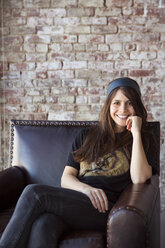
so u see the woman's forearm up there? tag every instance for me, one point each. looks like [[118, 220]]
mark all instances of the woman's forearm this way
[[140, 169], [72, 182]]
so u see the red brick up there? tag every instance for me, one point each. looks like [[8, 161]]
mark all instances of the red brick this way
[[141, 73], [42, 75]]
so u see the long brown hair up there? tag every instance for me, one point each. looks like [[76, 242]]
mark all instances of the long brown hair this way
[[102, 139]]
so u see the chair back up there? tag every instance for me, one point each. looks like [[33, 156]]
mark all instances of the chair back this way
[[42, 147]]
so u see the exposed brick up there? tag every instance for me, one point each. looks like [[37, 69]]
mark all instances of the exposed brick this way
[[91, 91], [39, 99], [127, 64], [157, 27], [48, 83], [116, 47], [49, 66], [62, 116], [14, 92], [123, 20], [22, 30], [115, 56], [67, 20], [81, 99], [119, 3], [91, 38], [142, 73], [33, 12], [110, 29], [65, 74], [91, 3], [54, 12], [36, 21], [108, 11], [35, 57], [83, 108], [29, 47], [103, 47], [80, 12], [41, 48], [149, 37], [86, 117], [66, 99], [14, 20], [127, 11], [28, 75], [100, 65], [65, 38], [91, 47], [63, 3], [10, 75], [74, 82], [94, 20], [87, 74], [22, 66], [37, 39], [89, 56], [74, 65], [12, 4], [127, 37], [132, 28], [77, 29], [143, 55], [41, 74], [61, 56], [38, 3]]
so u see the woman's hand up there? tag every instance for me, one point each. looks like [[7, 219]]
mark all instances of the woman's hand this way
[[98, 198], [134, 124]]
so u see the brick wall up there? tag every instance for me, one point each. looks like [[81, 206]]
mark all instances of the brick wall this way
[[57, 58]]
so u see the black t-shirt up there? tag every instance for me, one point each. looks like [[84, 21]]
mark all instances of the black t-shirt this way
[[111, 172]]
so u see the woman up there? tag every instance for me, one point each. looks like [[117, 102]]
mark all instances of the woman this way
[[103, 160]]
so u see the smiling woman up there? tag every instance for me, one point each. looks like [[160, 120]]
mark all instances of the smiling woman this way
[[102, 161]]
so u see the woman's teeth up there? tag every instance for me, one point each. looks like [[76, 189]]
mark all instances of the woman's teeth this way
[[123, 116]]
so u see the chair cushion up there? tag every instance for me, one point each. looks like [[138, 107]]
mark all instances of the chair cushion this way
[[81, 239]]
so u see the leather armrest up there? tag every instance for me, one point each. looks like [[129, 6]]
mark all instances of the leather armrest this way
[[12, 182], [131, 217]]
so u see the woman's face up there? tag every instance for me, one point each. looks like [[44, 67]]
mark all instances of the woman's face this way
[[120, 109]]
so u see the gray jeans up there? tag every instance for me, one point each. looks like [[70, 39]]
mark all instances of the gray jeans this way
[[44, 213]]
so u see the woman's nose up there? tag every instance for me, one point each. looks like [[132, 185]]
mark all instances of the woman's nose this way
[[123, 107]]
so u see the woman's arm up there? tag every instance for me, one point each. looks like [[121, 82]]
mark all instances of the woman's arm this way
[[97, 196], [140, 170]]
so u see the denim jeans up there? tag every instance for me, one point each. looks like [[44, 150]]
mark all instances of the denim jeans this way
[[43, 213]]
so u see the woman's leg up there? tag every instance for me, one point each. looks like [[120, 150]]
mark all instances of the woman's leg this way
[[73, 207], [45, 231]]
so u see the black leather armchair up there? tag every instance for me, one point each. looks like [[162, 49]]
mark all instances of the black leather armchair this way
[[38, 153]]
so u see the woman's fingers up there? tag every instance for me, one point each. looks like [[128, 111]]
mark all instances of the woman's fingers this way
[[134, 123], [98, 198], [129, 124]]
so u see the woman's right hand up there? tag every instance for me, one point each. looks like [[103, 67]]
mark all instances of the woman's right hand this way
[[98, 198]]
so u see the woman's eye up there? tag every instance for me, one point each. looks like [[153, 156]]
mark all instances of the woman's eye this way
[[116, 103], [130, 103]]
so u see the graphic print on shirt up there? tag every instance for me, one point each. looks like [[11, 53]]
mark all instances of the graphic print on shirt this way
[[112, 164]]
